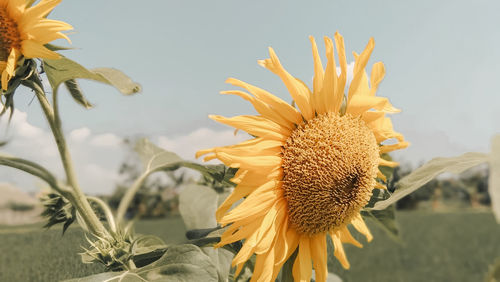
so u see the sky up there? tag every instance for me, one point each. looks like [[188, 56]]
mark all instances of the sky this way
[[442, 62]]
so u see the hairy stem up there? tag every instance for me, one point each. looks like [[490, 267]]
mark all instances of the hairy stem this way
[[77, 198]]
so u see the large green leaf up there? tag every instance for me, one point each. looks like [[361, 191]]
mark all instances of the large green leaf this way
[[494, 181], [179, 263], [155, 158], [66, 71], [147, 249], [197, 206], [430, 170]]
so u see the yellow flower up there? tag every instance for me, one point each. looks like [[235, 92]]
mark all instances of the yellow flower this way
[[308, 172], [23, 32]]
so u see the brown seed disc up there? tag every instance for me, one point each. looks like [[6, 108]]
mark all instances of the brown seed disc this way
[[329, 164], [9, 35]]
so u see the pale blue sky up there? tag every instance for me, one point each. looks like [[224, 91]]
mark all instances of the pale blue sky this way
[[442, 60]]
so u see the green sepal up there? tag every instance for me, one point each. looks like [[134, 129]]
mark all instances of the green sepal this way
[[53, 47], [26, 71], [57, 210]]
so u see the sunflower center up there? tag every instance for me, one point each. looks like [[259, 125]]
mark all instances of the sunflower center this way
[[9, 35], [329, 164]]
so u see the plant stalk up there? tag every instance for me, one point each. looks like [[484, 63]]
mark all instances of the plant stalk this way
[[129, 196], [78, 199]]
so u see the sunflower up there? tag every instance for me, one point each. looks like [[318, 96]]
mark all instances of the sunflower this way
[[24, 29], [309, 171]]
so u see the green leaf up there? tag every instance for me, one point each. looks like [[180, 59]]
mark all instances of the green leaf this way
[[147, 249], [494, 179], [197, 206], [119, 80], [61, 70], [179, 263], [77, 93], [428, 171], [155, 158], [106, 276], [386, 219]]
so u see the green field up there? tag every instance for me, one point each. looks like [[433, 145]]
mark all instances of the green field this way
[[435, 247]]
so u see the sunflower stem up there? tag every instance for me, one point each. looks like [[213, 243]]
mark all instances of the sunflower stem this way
[[77, 198]]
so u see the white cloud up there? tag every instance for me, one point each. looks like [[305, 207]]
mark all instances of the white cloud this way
[[79, 135], [106, 140], [202, 138]]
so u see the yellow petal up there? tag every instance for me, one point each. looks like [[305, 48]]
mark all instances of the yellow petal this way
[[346, 237], [376, 76], [15, 7], [319, 258], [259, 162], [255, 125], [265, 147], [359, 67], [10, 68], [383, 130], [289, 241], [379, 185], [339, 43], [263, 270], [339, 252], [371, 116], [382, 162], [244, 232], [397, 146], [256, 177], [41, 10], [360, 225], [236, 195], [359, 104], [316, 101], [261, 200], [263, 109], [270, 227], [302, 268], [332, 97], [33, 49], [381, 176], [300, 94], [280, 106]]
